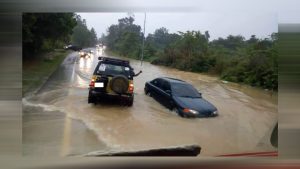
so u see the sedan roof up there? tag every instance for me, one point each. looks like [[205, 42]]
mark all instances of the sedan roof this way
[[173, 80]]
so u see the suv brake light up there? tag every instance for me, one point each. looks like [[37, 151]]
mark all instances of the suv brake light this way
[[92, 83], [131, 87]]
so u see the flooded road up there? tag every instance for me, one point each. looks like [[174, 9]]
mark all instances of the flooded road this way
[[58, 121]]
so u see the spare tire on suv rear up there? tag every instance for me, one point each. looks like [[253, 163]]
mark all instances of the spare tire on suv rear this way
[[119, 84]]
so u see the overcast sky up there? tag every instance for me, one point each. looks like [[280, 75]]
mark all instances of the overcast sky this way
[[218, 24]]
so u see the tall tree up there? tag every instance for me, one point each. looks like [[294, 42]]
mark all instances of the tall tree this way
[[125, 38], [45, 31], [82, 36]]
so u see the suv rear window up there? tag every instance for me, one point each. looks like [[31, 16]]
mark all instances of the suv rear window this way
[[109, 69]]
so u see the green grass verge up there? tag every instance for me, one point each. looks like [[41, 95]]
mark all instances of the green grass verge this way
[[35, 72]]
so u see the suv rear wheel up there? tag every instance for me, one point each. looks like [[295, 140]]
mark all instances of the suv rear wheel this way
[[91, 99], [130, 101]]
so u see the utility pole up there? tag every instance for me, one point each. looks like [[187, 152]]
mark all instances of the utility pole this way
[[142, 57]]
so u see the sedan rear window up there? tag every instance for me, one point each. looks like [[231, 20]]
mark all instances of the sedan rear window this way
[[184, 90]]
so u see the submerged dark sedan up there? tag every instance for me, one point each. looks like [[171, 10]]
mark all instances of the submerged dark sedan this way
[[179, 96]]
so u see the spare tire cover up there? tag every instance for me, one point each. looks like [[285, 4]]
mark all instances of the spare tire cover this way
[[119, 84]]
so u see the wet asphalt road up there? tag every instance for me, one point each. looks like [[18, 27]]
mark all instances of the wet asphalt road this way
[[58, 121]]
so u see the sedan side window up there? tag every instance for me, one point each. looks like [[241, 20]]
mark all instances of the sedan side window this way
[[156, 82], [165, 86]]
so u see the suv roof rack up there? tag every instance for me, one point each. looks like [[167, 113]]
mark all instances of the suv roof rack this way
[[113, 60]]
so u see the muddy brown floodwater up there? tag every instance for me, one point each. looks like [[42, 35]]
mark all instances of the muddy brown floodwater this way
[[58, 121]]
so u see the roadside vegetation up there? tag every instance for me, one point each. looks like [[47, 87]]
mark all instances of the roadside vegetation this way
[[250, 61], [44, 32], [82, 35], [44, 38], [37, 71]]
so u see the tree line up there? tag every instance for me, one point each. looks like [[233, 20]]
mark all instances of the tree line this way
[[82, 35], [250, 61], [44, 32]]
